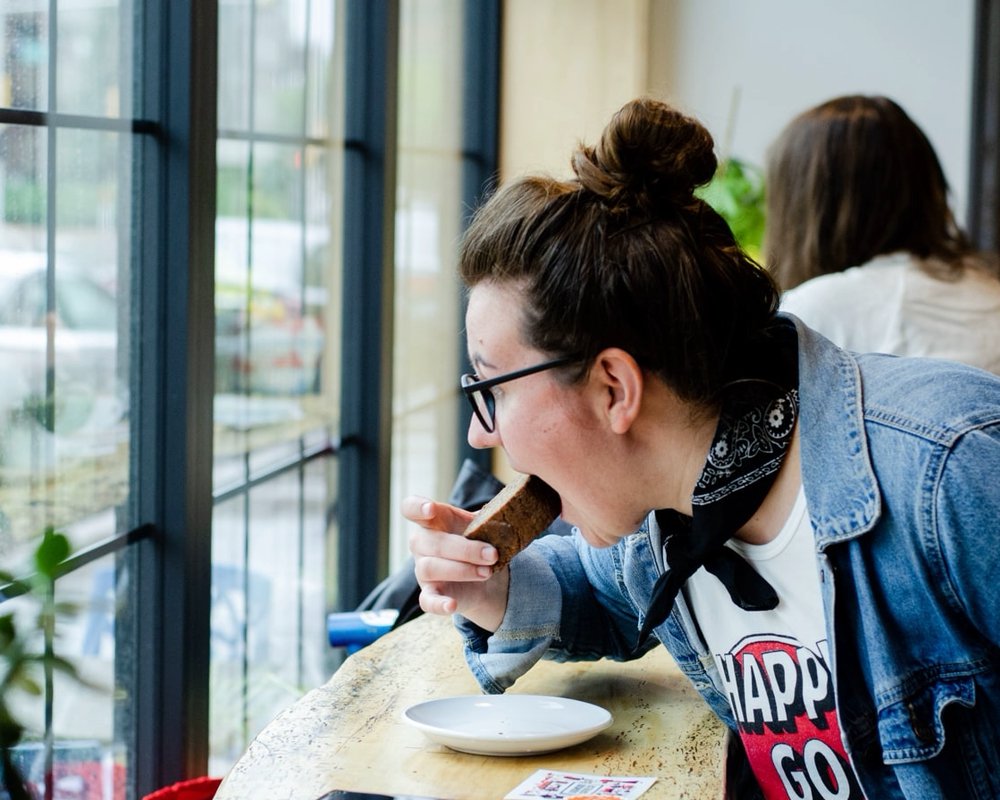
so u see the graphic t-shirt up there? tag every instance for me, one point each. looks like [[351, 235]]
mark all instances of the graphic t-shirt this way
[[775, 668]]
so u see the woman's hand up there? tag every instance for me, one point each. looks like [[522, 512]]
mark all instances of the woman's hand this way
[[455, 574]]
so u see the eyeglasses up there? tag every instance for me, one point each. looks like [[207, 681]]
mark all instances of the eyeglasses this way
[[481, 398]]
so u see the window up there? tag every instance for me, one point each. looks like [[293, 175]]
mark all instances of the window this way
[[277, 302], [207, 292], [68, 134], [428, 218]]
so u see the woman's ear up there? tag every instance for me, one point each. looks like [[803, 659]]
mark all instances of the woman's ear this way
[[621, 383]]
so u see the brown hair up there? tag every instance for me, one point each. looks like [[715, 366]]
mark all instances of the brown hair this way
[[851, 179], [624, 255]]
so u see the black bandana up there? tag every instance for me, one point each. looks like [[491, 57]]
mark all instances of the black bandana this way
[[754, 430]]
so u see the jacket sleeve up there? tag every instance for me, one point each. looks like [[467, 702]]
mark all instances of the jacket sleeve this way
[[564, 603]]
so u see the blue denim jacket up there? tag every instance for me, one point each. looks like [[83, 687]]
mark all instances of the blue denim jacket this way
[[901, 469]]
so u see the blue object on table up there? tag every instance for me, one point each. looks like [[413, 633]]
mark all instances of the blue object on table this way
[[355, 629]]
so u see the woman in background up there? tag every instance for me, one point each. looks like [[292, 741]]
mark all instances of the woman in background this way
[[861, 238]]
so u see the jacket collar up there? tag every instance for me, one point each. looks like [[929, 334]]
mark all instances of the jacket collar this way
[[840, 486]]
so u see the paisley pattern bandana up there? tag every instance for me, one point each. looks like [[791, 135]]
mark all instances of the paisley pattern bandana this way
[[754, 431]]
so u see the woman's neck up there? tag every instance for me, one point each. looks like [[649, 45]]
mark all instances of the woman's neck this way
[[767, 521]]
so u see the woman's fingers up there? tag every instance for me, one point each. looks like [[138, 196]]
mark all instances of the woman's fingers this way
[[452, 547], [432, 538], [433, 602], [435, 516], [435, 569], [455, 574]]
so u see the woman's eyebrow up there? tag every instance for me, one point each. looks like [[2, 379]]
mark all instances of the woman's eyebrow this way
[[478, 362]]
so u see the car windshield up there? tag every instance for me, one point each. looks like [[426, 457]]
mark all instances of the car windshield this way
[[81, 304]]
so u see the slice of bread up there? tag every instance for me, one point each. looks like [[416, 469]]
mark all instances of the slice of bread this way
[[523, 509]]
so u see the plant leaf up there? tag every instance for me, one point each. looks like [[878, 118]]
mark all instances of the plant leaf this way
[[28, 684], [51, 552]]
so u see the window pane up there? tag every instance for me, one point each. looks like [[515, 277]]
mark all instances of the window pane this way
[[428, 218], [63, 336], [235, 19], [23, 196], [280, 47], [277, 308], [227, 680], [24, 43], [323, 93], [431, 75], [89, 77], [269, 569], [89, 758], [273, 297]]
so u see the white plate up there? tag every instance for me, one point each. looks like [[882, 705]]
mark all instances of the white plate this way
[[507, 724]]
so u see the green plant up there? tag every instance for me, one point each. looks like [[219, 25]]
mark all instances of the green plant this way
[[736, 191], [21, 660]]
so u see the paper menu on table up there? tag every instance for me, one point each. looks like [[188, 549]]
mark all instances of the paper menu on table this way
[[550, 784]]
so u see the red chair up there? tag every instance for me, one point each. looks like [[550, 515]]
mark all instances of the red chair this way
[[193, 789]]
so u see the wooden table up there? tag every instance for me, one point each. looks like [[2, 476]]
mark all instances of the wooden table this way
[[349, 734]]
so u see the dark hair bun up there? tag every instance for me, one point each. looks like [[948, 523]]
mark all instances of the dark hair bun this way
[[649, 154]]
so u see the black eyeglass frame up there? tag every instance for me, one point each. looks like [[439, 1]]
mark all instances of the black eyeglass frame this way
[[471, 387]]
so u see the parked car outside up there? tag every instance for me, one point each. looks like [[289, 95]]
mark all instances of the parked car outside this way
[[269, 334], [60, 365], [264, 345]]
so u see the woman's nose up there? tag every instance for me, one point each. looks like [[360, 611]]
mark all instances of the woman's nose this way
[[479, 437]]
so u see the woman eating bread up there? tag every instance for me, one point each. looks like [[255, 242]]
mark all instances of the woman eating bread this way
[[811, 533]]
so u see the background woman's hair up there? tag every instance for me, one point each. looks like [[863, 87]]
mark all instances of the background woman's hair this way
[[624, 255], [851, 179]]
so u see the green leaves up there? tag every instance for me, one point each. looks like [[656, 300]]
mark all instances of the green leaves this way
[[20, 663], [52, 551], [737, 193]]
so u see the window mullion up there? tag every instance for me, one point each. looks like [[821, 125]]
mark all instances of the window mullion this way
[[172, 468], [369, 218], [480, 135]]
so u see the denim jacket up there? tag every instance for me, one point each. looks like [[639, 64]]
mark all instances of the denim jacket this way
[[901, 470]]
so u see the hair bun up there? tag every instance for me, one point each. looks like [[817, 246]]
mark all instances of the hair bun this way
[[648, 154]]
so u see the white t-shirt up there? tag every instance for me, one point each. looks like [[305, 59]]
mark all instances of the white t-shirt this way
[[775, 667], [890, 305]]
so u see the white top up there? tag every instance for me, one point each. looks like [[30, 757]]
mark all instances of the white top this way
[[788, 563], [890, 305], [775, 668]]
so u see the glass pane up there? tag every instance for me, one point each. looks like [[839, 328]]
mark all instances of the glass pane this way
[[277, 362], [431, 74], [319, 485], [235, 19], [321, 299], [88, 757], [428, 227], [322, 83], [280, 45], [24, 45], [89, 76], [273, 297], [23, 163], [63, 337], [269, 569], [227, 678]]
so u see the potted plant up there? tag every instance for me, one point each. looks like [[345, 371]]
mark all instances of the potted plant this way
[[736, 191]]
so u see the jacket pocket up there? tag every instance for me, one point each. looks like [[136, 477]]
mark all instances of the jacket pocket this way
[[912, 729]]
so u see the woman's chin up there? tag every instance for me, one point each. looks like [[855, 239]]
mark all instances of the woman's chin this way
[[595, 540]]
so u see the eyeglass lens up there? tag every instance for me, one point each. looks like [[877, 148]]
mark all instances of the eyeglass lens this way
[[482, 402]]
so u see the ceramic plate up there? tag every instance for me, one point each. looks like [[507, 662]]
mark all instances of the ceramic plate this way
[[507, 724]]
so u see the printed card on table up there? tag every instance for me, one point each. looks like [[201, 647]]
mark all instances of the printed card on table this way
[[557, 785]]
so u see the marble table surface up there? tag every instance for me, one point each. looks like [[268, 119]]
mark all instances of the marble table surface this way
[[349, 734]]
